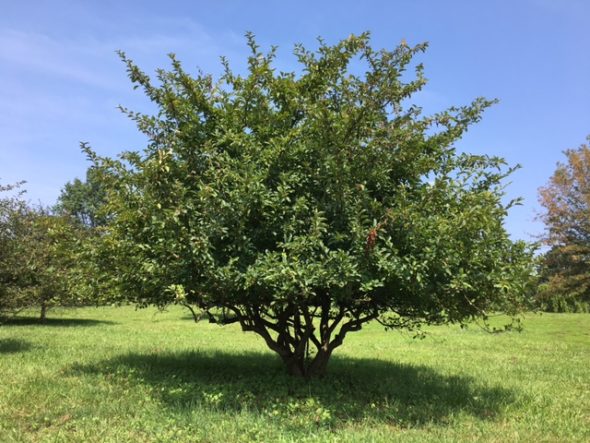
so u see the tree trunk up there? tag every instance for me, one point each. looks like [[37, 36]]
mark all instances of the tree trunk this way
[[319, 364], [294, 366], [298, 366], [43, 315]]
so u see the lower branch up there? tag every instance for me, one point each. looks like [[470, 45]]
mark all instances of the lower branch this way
[[352, 325], [196, 317]]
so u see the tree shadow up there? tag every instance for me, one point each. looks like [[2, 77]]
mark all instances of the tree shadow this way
[[354, 389], [12, 345], [49, 322]]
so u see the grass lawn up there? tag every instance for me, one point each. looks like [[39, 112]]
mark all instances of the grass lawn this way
[[117, 374]]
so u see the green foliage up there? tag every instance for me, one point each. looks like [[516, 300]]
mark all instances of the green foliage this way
[[83, 200], [84, 203], [13, 224], [304, 204], [564, 285], [565, 270], [37, 256]]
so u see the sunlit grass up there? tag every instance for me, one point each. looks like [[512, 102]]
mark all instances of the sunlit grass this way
[[117, 374]]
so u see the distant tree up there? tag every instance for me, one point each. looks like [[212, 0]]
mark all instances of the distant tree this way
[[304, 205], [13, 216], [49, 249], [83, 200], [566, 267], [38, 253]]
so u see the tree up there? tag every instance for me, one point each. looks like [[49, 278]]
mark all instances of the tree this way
[[304, 205], [566, 266], [48, 252], [13, 213], [38, 252], [84, 203], [83, 200]]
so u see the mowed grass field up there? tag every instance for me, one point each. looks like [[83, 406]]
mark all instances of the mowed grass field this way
[[120, 374]]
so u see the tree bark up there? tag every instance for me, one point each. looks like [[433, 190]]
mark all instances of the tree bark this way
[[295, 366], [319, 365], [43, 315], [298, 366]]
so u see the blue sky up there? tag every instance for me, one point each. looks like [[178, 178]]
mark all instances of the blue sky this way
[[60, 80]]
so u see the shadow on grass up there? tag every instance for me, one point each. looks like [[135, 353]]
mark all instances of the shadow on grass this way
[[12, 345], [354, 389], [48, 322]]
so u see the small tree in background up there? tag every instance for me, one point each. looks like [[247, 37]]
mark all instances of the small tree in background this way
[[13, 224], [38, 253], [304, 205], [566, 266], [49, 252], [83, 200]]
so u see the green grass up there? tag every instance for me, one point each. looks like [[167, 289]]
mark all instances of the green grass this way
[[117, 374]]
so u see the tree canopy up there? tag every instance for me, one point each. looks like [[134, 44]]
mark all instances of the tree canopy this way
[[12, 223], [38, 251], [304, 204], [566, 266], [83, 200]]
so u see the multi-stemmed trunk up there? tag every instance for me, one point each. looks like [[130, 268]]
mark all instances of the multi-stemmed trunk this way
[[303, 336], [308, 367]]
